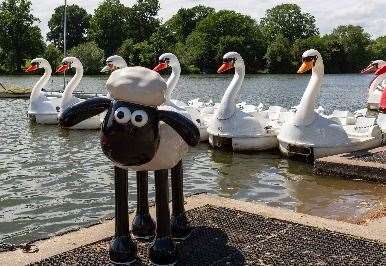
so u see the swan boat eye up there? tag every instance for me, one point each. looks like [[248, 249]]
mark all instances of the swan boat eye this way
[[165, 61], [310, 58], [122, 115], [139, 118], [229, 60]]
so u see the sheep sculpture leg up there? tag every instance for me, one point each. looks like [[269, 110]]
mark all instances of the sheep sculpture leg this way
[[163, 249], [179, 223], [122, 249], [143, 226]]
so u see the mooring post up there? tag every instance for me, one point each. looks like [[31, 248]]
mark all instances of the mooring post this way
[[163, 249], [143, 226], [179, 223], [122, 249]]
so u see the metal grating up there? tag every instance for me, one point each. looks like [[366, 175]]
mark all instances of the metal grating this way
[[228, 237]]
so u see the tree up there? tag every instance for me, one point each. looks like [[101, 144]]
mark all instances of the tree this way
[[53, 55], [126, 50], [78, 23], [144, 55], [278, 56], [18, 36], [142, 21], [163, 40], [90, 55], [288, 21], [355, 42], [378, 48], [334, 55], [108, 26], [222, 32], [185, 21]]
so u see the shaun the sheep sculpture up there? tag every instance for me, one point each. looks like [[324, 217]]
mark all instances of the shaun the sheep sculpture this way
[[137, 135]]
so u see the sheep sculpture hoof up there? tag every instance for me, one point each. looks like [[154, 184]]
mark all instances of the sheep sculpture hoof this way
[[163, 252], [123, 250], [137, 135], [180, 227], [143, 227]]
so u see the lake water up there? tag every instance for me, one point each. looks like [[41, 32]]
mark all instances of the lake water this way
[[53, 180]]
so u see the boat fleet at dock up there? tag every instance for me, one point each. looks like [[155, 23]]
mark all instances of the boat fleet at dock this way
[[302, 131]]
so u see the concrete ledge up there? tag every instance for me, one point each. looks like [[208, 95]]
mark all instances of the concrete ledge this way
[[59, 244], [369, 165]]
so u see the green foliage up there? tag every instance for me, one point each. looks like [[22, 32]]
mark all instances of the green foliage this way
[[222, 32], [185, 21], [126, 50], [19, 38], [199, 36], [144, 54], [378, 48], [354, 41], [53, 55], [90, 55], [142, 22], [289, 21], [163, 40], [78, 23], [138, 54], [278, 56], [108, 26]]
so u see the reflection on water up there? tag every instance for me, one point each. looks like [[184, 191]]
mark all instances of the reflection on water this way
[[52, 180]]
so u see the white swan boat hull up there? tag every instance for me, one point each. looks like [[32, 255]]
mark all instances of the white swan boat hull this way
[[309, 152], [327, 137], [45, 119], [240, 144], [242, 132]]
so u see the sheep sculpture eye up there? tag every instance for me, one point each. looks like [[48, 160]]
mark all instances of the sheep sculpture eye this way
[[139, 118], [122, 115]]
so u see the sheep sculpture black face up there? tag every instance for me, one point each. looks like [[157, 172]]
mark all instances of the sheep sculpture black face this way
[[130, 132], [137, 135]]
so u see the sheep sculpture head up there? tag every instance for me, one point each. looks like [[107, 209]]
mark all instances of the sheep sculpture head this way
[[131, 129]]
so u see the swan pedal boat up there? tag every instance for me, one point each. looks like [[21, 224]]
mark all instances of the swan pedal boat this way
[[377, 85], [242, 128], [68, 99], [309, 135], [42, 109], [167, 60]]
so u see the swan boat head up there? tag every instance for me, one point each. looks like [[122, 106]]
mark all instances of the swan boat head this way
[[114, 62], [167, 60], [39, 63], [373, 66], [68, 63], [232, 60]]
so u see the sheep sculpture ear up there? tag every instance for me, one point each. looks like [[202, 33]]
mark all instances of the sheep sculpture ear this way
[[83, 110], [184, 127]]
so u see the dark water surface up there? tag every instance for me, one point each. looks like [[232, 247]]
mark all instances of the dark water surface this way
[[53, 180]]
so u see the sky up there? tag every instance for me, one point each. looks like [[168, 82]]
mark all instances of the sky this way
[[369, 14]]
